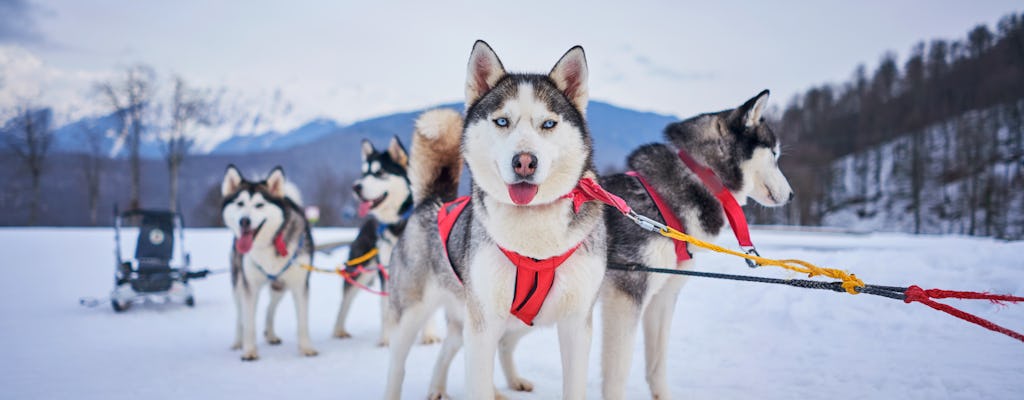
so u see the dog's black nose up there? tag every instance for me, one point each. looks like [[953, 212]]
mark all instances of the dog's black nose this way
[[244, 223], [358, 188], [524, 164]]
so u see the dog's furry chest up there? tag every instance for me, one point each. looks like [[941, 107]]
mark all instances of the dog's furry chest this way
[[539, 233]]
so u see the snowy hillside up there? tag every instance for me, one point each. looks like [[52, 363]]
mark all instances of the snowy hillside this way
[[967, 174], [730, 340]]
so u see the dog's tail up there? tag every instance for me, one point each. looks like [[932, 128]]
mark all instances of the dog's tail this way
[[436, 160]]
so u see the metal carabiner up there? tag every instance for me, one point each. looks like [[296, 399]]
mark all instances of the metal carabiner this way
[[646, 223], [751, 263]]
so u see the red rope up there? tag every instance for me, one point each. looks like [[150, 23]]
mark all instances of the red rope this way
[[915, 293], [359, 271]]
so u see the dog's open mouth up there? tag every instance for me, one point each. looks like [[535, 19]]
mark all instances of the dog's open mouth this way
[[243, 243], [522, 192], [367, 205]]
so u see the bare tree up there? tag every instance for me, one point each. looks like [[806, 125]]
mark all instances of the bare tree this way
[[28, 135], [92, 167], [189, 109], [130, 100]]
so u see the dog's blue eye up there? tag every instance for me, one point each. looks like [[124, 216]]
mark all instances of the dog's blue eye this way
[[548, 124], [502, 122]]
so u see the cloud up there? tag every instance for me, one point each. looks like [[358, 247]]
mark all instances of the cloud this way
[[18, 23]]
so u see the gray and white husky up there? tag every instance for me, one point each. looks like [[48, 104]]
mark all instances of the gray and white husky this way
[[526, 143], [271, 240], [384, 193], [743, 152]]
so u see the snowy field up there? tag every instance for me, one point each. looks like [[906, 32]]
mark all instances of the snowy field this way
[[730, 340]]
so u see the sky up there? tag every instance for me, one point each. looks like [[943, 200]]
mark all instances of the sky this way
[[352, 60]]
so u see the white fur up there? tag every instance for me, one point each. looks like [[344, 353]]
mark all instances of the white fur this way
[[763, 180], [268, 219], [375, 187], [489, 149], [540, 229]]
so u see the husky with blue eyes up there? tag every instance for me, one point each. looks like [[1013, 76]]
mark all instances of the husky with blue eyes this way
[[271, 240], [522, 250]]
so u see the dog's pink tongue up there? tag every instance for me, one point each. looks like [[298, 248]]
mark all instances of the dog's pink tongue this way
[[522, 193], [244, 243], [364, 208]]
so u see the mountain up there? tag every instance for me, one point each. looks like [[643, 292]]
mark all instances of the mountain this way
[[615, 129], [321, 157]]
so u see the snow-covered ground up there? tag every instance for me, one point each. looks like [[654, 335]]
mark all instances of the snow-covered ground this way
[[730, 340]]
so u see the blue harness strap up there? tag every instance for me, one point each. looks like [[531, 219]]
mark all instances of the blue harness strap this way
[[273, 277], [381, 227]]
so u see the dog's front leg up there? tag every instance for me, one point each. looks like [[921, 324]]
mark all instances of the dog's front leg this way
[[657, 323], [237, 293], [506, 352], [619, 318], [574, 338], [275, 298], [482, 331], [250, 296], [451, 345], [300, 296]]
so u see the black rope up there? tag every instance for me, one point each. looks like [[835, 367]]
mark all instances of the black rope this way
[[891, 292]]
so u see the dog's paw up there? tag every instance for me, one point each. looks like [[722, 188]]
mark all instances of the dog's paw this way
[[250, 356], [342, 334], [429, 339], [273, 340], [437, 395], [520, 385], [236, 345], [499, 396], [382, 343], [308, 352]]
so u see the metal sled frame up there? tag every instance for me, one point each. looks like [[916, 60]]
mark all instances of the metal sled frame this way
[[156, 279]]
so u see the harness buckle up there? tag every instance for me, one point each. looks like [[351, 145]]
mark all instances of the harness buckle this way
[[752, 251]]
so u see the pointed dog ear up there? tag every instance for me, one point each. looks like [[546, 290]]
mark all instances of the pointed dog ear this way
[[397, 152], [275, 182], [484, 71], [570, 76], [749, 114], [232, 180], [367, 149]]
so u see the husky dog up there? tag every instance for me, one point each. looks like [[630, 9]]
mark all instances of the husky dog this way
[[272, 240], [383, 191], [526, 143], [740, 148]]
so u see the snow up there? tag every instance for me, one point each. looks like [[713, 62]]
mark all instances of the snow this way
[[730, 340]]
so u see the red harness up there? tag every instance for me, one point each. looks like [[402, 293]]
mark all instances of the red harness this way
[[534, 277], [666, 213], [733, 211]]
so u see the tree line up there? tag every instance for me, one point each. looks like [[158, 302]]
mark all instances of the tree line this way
[[925, 101], [134, 101]]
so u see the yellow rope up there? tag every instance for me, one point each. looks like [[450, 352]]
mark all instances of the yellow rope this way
[[323, 270], [361, 259], [850, 281], [353, 262]]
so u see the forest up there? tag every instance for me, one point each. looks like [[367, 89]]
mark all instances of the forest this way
[[932, 143]]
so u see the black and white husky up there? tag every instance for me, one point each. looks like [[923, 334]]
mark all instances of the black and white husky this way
[[526, 143], [383, 192], [743, 153], [272, 240]]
